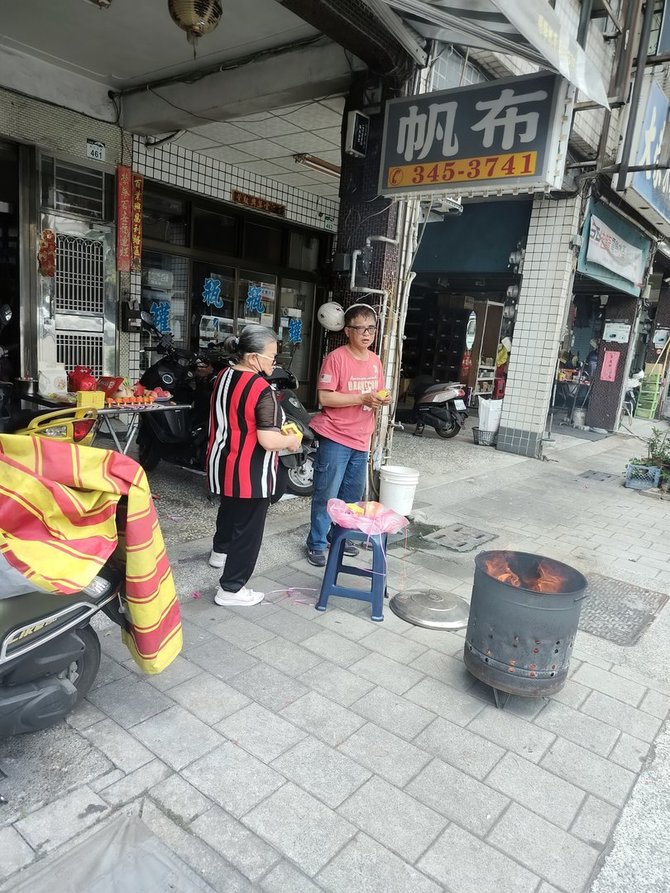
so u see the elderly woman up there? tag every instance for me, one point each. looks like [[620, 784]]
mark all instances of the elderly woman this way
[[244, 439]]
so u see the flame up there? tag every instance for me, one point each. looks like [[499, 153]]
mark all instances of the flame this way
[[538, 576]]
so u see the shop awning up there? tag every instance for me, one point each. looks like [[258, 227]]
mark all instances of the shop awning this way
[[527, 28]]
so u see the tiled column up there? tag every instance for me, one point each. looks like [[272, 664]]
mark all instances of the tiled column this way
[[543, 301]]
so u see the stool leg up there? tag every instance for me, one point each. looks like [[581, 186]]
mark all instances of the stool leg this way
[[378, 577]]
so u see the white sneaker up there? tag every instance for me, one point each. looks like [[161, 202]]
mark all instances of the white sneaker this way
[[217, 559], [243, 598]]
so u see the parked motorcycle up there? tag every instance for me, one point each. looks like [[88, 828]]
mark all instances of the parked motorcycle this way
[[296, 470], [180, 437], [440, 405], [74, 424], [49, 654]]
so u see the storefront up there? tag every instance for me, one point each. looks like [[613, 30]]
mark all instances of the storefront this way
[[604, 343], [208, 269], [468, 275]]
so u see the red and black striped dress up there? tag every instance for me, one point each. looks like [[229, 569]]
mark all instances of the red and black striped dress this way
[[237, 465]]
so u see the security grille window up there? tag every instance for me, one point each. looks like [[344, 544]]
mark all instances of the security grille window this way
[[80, 280], [74, 349], [71, 189]]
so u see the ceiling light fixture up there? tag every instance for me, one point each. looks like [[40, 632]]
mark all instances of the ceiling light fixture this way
[[318, 164], [196, 17]]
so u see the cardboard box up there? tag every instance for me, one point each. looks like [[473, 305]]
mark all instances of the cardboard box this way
[[91, 399]]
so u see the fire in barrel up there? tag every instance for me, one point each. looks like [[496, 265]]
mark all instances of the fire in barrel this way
[[523, 620]]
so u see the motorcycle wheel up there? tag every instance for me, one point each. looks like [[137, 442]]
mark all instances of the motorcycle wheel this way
[[82, 672], [451, 430], [301, 479], [149, 454]]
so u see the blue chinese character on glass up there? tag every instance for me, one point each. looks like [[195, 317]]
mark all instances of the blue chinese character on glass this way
[[295, 330], [253, 303], [160, 310], [211, 293]]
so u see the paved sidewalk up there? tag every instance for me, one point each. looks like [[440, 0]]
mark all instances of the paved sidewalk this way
[[290, 750]]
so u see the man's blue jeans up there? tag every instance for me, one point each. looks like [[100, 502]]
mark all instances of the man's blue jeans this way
[[339, 473]]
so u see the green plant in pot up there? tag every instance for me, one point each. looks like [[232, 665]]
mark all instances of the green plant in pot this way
[[658, 456]]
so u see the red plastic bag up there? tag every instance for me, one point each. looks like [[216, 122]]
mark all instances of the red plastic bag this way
[[373, 519]]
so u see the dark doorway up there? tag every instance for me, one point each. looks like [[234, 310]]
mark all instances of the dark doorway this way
[[9, 256]]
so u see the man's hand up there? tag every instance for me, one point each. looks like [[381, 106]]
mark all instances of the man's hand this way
[[372, 400]]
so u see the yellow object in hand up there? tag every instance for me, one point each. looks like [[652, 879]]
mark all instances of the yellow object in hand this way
[[292, 428], [383, 394]]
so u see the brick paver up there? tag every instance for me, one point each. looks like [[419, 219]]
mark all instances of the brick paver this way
[[289, 751]]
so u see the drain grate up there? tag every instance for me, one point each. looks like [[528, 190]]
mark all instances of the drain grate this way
[[460, 537], [619, 612], [598, 475]]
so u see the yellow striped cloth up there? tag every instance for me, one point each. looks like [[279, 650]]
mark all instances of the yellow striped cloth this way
[[58, 526]]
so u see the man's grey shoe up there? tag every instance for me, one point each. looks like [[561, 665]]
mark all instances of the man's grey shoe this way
[[350, 550], [318, 559]]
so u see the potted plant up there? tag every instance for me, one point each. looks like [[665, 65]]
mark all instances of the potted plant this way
[[654, 469]]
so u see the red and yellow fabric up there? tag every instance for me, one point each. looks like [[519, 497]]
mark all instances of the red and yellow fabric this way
[[58, 527]]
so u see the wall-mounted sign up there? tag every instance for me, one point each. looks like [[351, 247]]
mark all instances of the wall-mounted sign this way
[[613, 251], [257, 203], [618, 332], [124, 217], [136, 226], [609, 367], [507, 134], [649, 191], [356, 136], [610, 250], [96, 150]]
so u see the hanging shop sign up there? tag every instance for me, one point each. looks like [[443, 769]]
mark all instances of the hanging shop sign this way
[[497, 136], [613, 251], [649, 191], [124, 217], [136, 227], [258, 203]]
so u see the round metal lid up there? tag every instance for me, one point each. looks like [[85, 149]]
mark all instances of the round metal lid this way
[[431, 608]]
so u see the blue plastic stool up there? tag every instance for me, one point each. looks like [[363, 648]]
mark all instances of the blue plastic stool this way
[[335, 566]]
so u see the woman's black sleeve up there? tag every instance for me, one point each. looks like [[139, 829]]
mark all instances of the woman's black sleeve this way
[[268, 412]]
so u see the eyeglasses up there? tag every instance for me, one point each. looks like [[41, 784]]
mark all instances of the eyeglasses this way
[[364, 330], [273, 360]]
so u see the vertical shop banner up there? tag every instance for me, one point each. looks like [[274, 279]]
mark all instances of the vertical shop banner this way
[[124, 217], [506, 134], [609, 367], [136, 228]]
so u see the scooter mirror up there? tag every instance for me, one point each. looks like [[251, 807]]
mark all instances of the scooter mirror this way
[[5, 314], [147, 319]]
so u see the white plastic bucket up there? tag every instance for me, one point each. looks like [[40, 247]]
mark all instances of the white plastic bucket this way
[[397, 486], [579, 418]]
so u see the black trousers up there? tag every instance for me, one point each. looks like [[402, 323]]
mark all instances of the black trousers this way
[[239, 533]]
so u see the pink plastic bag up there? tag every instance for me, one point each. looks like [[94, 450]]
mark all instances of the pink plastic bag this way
[[377, 518]]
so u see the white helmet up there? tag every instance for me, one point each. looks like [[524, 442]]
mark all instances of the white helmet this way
[[331, 316]]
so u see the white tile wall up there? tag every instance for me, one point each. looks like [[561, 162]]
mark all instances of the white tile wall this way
[[543, 303], [177, 166]]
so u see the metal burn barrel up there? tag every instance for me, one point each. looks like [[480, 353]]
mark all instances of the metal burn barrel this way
[[523, 620]]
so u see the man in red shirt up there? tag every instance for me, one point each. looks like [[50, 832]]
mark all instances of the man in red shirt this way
[[350, 383]]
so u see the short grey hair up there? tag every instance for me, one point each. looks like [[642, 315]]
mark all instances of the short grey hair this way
[[253, 338]]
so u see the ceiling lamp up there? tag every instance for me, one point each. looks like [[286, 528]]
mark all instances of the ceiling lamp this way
[[318, 164], [196, 17]]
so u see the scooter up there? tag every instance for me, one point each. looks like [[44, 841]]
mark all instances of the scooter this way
[[296, 470], [74, 424], [440, 405], [49, 654]]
